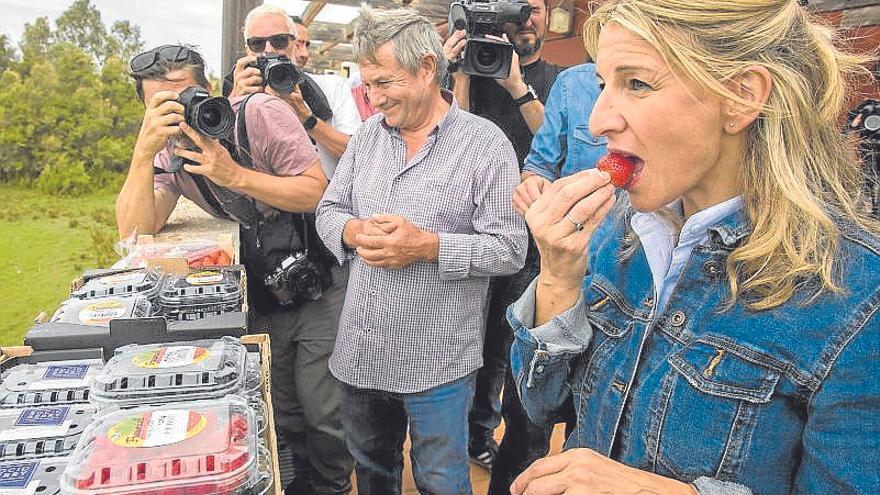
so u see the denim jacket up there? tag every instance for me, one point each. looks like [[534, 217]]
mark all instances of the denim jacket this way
[[779, 401], [563, 144]]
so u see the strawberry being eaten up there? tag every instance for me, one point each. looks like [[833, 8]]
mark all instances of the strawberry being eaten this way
[[619, 166]]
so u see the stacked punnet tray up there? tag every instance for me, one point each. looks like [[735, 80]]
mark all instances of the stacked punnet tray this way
[[179, 418], [208, 447]]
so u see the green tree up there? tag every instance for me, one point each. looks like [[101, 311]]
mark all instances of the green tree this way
[[125, 40], [7, 53], [70, 115], [81, 25]]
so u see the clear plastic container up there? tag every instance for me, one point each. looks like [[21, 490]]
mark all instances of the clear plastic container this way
[[99, 312], [34, 477], [197, 448], [142, 282], [33, 432], [49, 383], [179, 371], [199, 295]]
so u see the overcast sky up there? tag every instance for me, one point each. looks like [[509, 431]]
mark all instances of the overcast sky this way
[[196, 22]]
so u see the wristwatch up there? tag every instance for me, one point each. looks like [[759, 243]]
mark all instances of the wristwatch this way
[[529, 96], [310, 122]]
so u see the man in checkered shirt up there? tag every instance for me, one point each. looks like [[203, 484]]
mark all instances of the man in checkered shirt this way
[[421, 204]]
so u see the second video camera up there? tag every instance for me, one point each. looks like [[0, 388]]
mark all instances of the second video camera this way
[[487, 57], [278, 72]]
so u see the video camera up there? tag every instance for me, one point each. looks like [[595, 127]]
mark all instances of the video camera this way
[[484, 56], [278, 72]]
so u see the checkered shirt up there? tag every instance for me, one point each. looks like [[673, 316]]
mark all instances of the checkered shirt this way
[[421, 326]]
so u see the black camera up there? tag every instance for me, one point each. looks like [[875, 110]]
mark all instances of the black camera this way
[[865, 119], [211, 116], [484, 56], [296, 277], [278, 72]]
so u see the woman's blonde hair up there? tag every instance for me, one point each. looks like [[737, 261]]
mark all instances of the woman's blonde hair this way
[[799, 169]]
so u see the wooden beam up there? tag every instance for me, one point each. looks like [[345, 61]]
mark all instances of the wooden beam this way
[[326, 47], [312, 11], [833, 5], [865, 16]]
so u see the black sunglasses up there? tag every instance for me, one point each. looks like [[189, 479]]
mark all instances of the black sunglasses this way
[[170, 53], [279, 42]]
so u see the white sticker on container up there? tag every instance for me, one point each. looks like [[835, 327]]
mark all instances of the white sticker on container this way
[[204, 278], [36, 422], [16, 478], [62, 376], [170, 357], [157, 428], [121, 278], [102, 312]]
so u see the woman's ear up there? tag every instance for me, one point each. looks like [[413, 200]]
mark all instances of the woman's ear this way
[[752, 88]]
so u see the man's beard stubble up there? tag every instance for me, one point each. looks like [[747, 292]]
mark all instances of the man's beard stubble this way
[[528, 49]]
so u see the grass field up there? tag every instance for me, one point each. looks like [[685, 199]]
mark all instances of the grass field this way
[[46, 241]]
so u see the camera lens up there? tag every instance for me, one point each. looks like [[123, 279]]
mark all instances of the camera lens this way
[[872, 123], [214, 118], [282, 78], [210, 117], [486, 60]]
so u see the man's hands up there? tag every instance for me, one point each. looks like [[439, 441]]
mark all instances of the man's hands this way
[[586, 472], [246, 80], [528, 191], [454, 44], [161, 121], [295, 100], [391, 241], [514, 84], [213, 161]]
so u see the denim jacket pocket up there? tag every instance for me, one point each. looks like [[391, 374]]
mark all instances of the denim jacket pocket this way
[[609, 311], [710, 402]]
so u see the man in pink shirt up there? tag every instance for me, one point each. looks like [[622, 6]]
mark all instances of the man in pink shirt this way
[[285, 181]]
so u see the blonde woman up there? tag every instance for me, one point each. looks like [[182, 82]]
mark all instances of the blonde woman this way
[[722, 335]]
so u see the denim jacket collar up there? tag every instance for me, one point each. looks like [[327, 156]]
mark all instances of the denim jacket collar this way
[[731, 230]]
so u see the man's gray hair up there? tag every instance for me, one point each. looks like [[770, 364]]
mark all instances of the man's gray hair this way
[[412, 36], [267, 9]]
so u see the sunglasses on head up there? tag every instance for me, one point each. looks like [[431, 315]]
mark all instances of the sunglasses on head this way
[[279, 42], [170, 53]]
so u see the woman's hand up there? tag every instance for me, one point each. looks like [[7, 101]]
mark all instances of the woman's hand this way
[[562, 220], [586, 472]]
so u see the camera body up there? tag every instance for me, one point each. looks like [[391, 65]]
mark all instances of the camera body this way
[[278, 72], [868, 122], [486, 57], [211, 116], [295, 277]]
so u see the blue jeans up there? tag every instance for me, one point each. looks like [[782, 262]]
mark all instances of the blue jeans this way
[[375, 424]]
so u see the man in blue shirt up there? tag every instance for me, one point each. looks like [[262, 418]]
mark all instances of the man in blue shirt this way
[[563, 144]]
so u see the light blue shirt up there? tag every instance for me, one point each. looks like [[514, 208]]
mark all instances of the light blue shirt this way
[[666, 257]]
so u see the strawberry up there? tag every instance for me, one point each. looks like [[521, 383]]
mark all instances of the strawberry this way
[[620, 167]]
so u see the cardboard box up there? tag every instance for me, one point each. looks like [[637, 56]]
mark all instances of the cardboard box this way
[[261, 341]]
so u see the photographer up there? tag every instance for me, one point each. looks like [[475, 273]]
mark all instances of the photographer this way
[[280, 175], [330, 117], [516, 105]]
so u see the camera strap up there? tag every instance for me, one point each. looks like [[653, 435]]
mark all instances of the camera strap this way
[[230, 204]]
